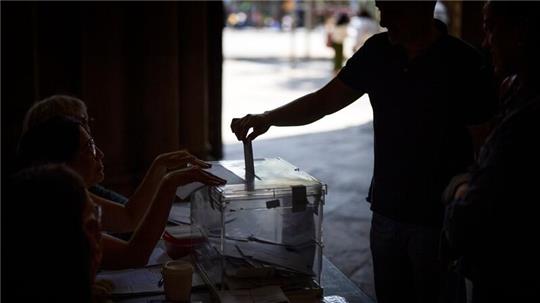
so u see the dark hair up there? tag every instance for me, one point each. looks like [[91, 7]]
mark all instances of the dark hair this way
[[53, 106], [343, 18], [364, 13], [424, 8], [44, 236], [56, 140]]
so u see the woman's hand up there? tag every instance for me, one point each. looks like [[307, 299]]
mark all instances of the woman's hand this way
[[178, 160], [192, 174]]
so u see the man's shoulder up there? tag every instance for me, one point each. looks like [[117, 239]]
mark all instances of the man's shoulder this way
[[376, 45], [373, 48], [379, 39]]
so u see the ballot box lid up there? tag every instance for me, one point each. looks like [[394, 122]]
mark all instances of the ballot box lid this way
[[274, 177]]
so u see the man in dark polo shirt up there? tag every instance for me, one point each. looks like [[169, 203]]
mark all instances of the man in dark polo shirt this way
[[426, 88]]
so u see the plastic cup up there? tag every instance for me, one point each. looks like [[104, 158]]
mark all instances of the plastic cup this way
[[177, 276]]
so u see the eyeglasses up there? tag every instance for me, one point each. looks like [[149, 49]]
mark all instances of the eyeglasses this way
[[86, 120], [97, 213], [92, 146]]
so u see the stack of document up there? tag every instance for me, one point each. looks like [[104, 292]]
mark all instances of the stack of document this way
[[138, 281], [295, 259]]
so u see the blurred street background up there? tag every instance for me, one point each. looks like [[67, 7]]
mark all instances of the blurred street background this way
[[276, 51]]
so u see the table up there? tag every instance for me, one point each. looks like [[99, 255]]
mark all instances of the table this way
[[334, 283]]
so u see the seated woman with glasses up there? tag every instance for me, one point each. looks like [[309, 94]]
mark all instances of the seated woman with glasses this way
[[65, 140], [63, 105], [116, 218]]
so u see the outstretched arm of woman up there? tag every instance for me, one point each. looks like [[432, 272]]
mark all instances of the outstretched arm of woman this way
[[125, 218], [119, 254]]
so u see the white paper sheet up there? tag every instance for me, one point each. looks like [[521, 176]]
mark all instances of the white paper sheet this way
[[139, 280], [134, 281], [218, 170]]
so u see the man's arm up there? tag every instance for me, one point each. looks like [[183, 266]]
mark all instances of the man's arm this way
[[307, 109]]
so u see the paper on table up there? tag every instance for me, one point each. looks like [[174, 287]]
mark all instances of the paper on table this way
[[139, 281], [267, 294], [334, 299], [134, 281], [218, 170], [231, 176]]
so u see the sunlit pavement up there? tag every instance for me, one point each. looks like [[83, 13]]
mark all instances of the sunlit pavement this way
[[338, 149], [259, 75]]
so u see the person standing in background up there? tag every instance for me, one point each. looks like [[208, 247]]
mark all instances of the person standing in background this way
[[65, 140], [365, 26], [338, 35]]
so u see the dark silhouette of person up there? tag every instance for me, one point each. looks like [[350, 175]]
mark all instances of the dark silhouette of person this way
[[38, 203], [119, 220], [491, 223], [65, 140], [426, 89], [64, 105]]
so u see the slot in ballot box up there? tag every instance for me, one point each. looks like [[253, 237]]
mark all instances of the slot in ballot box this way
[[261, 229]]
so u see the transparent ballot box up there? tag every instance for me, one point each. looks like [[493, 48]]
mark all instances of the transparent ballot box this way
[[260, 230]]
